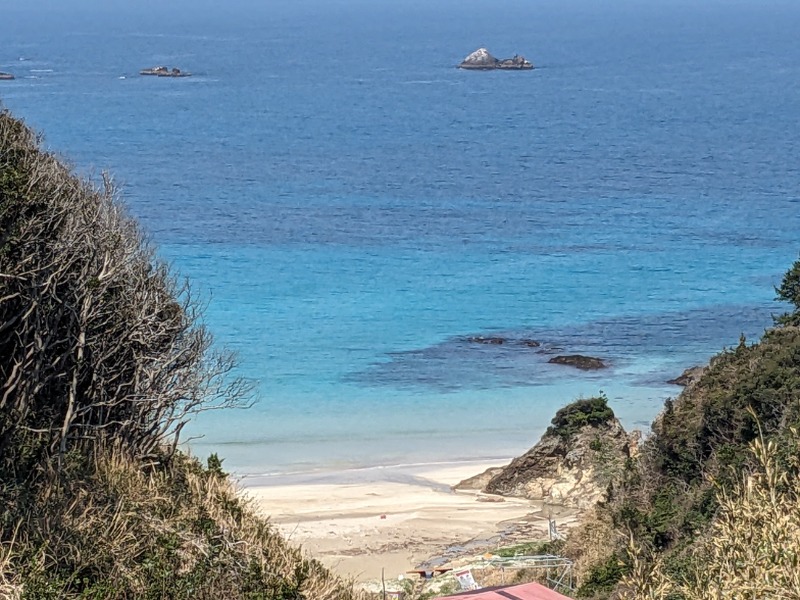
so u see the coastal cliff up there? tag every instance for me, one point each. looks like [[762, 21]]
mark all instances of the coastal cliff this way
[[573, 463]]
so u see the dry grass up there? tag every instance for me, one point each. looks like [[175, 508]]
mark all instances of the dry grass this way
[[162, 532], [9, 589], [592, 543], [752, 549]]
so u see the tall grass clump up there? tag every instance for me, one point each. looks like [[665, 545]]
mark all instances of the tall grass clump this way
[[751, 548], [103, 361]]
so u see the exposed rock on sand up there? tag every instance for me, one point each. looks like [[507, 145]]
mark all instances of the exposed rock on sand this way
[[571, 466], [480, 481], [585, 363], [482, 60]]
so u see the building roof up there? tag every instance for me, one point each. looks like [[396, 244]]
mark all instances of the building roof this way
[[525, 591]]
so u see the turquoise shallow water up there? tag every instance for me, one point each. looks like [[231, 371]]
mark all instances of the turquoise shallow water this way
[[352, 207]]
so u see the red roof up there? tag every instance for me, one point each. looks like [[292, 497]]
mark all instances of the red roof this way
[[526, 591]]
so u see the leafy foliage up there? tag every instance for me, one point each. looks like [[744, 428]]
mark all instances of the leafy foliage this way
[[752, 546], [577, 415], [602, 578], [789, 291]]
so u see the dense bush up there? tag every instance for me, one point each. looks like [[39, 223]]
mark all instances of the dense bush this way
[[751, 549], [789, 291], [573, 417]]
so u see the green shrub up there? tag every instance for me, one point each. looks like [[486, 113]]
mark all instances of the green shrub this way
[[579, 414], [602, 578]]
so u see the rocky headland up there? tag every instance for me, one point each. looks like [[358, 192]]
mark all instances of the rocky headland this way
[[573, 463], [482, 60], [689, 377]]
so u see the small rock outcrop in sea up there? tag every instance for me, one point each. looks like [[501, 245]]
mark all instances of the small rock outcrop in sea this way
[[479, 339], [585, 363], [689, 377], [482, 60], [573, 463], [164, 72], [496, 340], [5, 76]]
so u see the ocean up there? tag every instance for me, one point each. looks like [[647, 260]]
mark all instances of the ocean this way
[[352, 208]]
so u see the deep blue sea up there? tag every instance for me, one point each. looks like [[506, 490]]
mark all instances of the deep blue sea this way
[[352, 208]]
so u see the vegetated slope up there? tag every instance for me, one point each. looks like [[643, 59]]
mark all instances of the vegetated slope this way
[[102, 361], [699, 448], [751, 549]]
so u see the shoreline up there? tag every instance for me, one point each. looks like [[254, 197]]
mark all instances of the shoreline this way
[[397, 472], [393, 520]]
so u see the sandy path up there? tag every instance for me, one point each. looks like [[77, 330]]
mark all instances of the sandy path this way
[[360, 522]]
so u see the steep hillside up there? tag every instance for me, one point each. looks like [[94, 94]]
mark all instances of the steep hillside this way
[[697, 453], [102, 362]]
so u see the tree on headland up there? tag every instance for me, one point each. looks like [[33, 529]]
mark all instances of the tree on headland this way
[[789, 291], [103, 360]]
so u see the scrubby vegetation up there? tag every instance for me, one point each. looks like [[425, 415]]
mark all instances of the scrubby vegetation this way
[[114, 529], [102, 362], [680, 502], [751, 548], [577, 415]]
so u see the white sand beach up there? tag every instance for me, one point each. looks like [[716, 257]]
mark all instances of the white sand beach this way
[[359, 522]]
